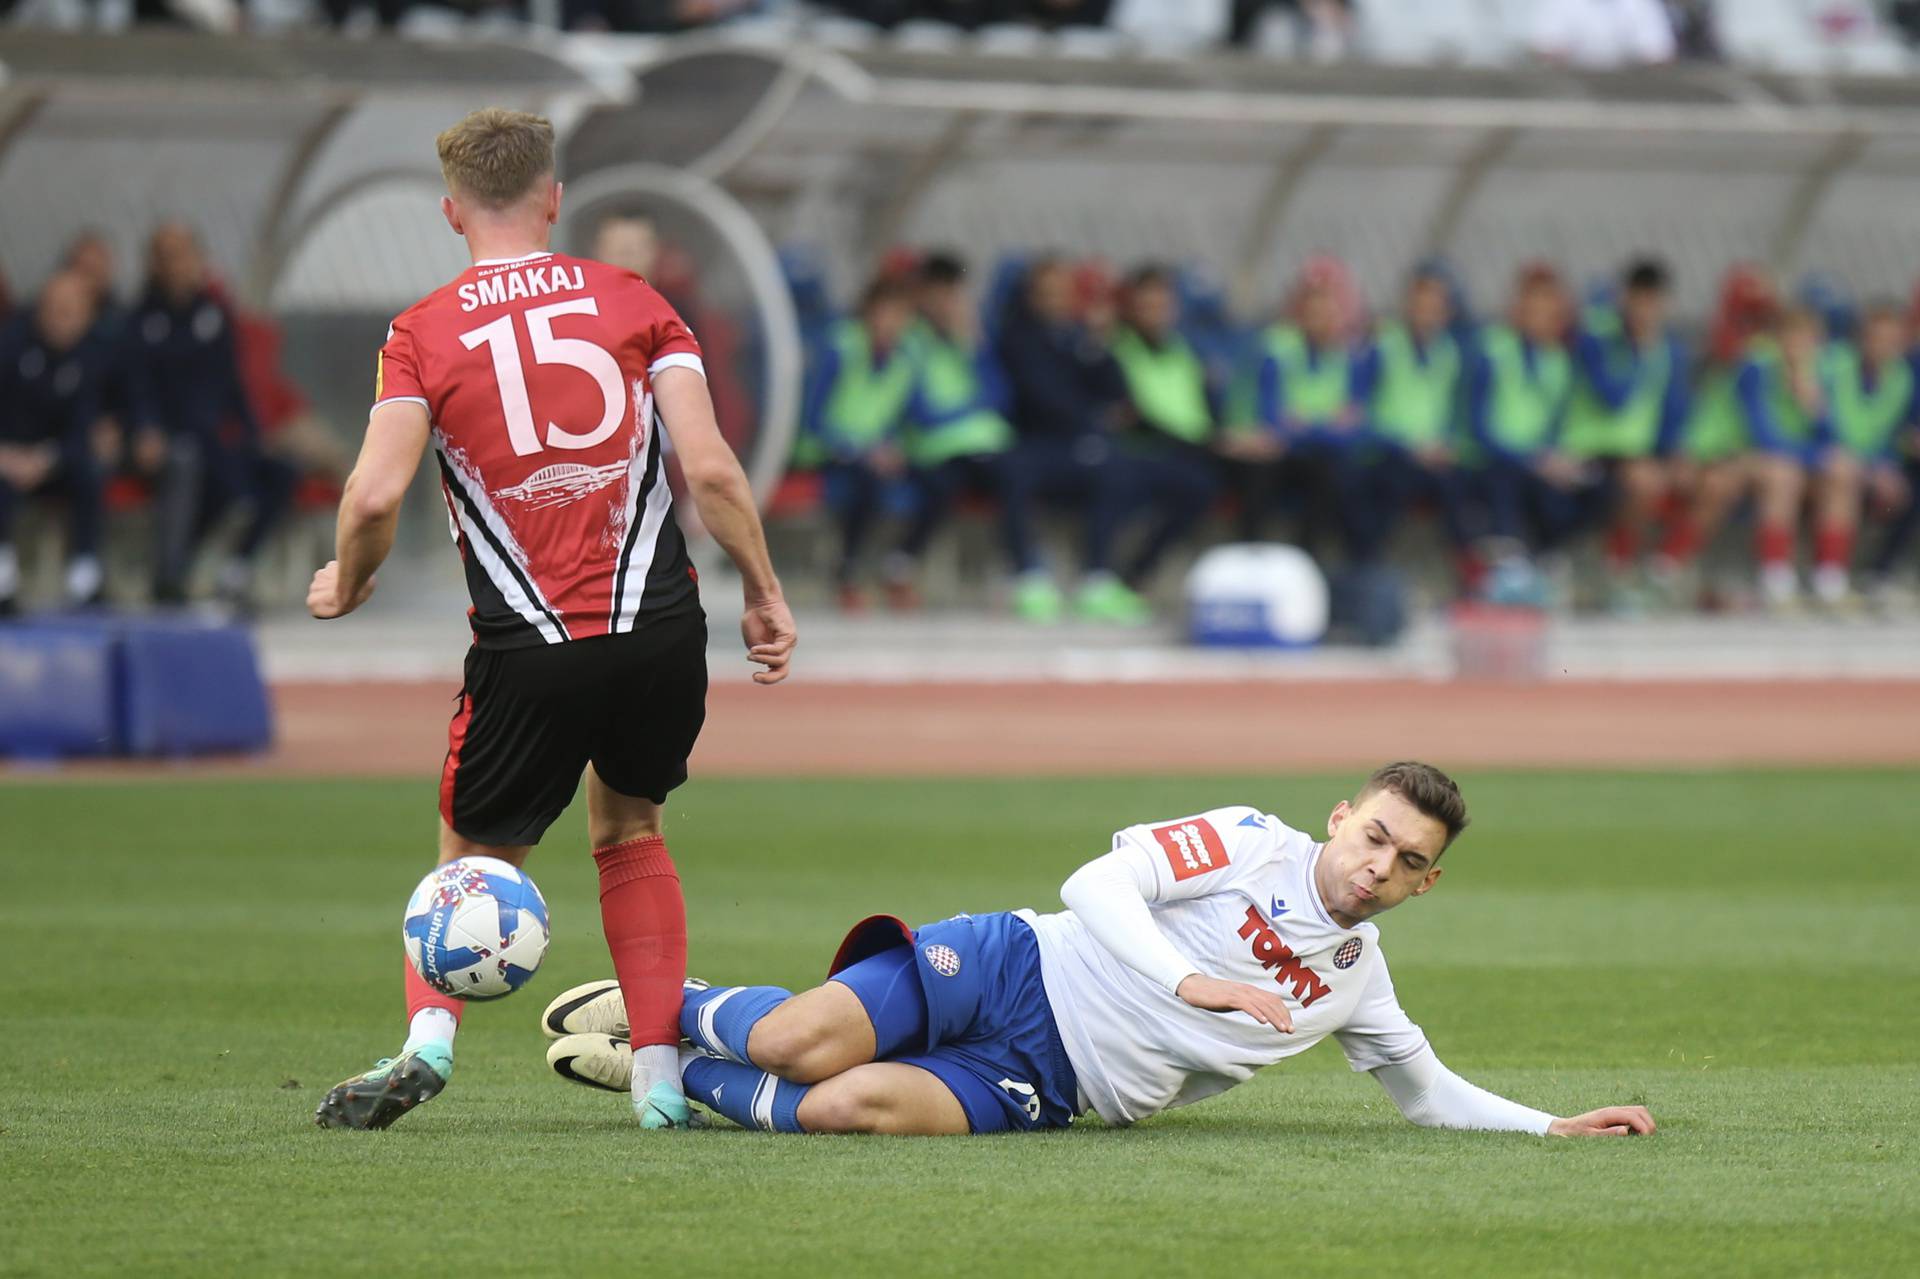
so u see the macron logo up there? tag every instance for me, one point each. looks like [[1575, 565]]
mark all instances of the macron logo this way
[[1276, 908]]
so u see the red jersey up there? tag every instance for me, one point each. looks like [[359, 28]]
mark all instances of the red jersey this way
[[537, 373]]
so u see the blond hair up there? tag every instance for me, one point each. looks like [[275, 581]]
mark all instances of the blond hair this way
[[495, 156]]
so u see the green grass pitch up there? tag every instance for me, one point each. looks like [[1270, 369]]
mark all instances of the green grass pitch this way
[[192, 963]]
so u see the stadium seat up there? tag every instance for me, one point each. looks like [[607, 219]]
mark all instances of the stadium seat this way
[[921, 35], [1012, 39], [1171, 29], [1420, 32], [1088, 42], [799, 496], [1780, 34]]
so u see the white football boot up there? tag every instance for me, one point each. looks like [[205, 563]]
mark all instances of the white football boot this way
[[594, 1059], [597, 1008]]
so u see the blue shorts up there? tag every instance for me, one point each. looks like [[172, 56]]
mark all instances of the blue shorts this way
[[965, 1003]]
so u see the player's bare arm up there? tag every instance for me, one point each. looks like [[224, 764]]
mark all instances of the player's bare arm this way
[[370, 508], [724, 499]]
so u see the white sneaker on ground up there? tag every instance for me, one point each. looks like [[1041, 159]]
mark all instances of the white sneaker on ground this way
[[594, 1059], [597, 1007]]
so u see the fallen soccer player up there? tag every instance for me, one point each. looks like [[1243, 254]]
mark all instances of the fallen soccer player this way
[[1191, 955]]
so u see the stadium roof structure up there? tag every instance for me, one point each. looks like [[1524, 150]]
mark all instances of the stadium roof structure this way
[[307, 161], [1243, 165]]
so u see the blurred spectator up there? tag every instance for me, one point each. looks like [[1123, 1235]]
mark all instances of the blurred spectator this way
[[194, 432], [632, 242], [650, 16], [882, 13], [1905, 17], [90, 255], [1054, 14], [958, 441], [629, 241], [49, 388], [1905, 528], [1296, 419], [1695, 36], [1323, 28], [1785, 402], [1519, 382], [1602, 34], [856, 403], [1169, 453], [1630, 403], [1872, 410], [1714, 471], [289, 429], [1068, 400], [1409, 380], [386, 12]]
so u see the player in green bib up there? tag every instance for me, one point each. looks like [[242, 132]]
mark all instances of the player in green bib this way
[[1713, 471], [1519, 382], [1872, 409], [1168, 452], [853, 413], [1893, 479], [1630, 403], [958, 439], [1786, 392], [1294, 420], [1409, 377]]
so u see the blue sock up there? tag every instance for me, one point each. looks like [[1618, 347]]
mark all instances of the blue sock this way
[[719, 1020], [745, 1094]]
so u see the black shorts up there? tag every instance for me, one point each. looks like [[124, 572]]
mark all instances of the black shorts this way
[[531, 719]]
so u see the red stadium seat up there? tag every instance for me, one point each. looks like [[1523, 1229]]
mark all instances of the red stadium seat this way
[[127, 493], [316, 492], [801, 494]]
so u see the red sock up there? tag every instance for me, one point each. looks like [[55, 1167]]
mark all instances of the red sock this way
[[420, 995], [645, 920], [1833, 546], [1683, 538], [1473, 571], [1773, 543], [1623, 545]]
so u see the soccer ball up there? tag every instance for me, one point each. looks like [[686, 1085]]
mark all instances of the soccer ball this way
[[476, 928]]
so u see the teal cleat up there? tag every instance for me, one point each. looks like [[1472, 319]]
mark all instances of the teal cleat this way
[[394, 1086], [665, 1106]]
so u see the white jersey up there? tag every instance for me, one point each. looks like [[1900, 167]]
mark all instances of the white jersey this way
[[1234, 892]]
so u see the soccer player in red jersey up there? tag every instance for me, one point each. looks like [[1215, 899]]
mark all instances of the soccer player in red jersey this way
[[543, 383]]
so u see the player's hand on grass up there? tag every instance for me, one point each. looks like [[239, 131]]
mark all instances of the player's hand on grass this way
[[768, 629], [323, 597], [1608, 1121], [1216, 996]]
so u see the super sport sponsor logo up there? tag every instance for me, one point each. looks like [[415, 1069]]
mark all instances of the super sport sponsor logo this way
[[1191, 847]]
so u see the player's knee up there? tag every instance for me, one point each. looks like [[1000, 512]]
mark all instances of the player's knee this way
[[792, 1047], [847, 1106]]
